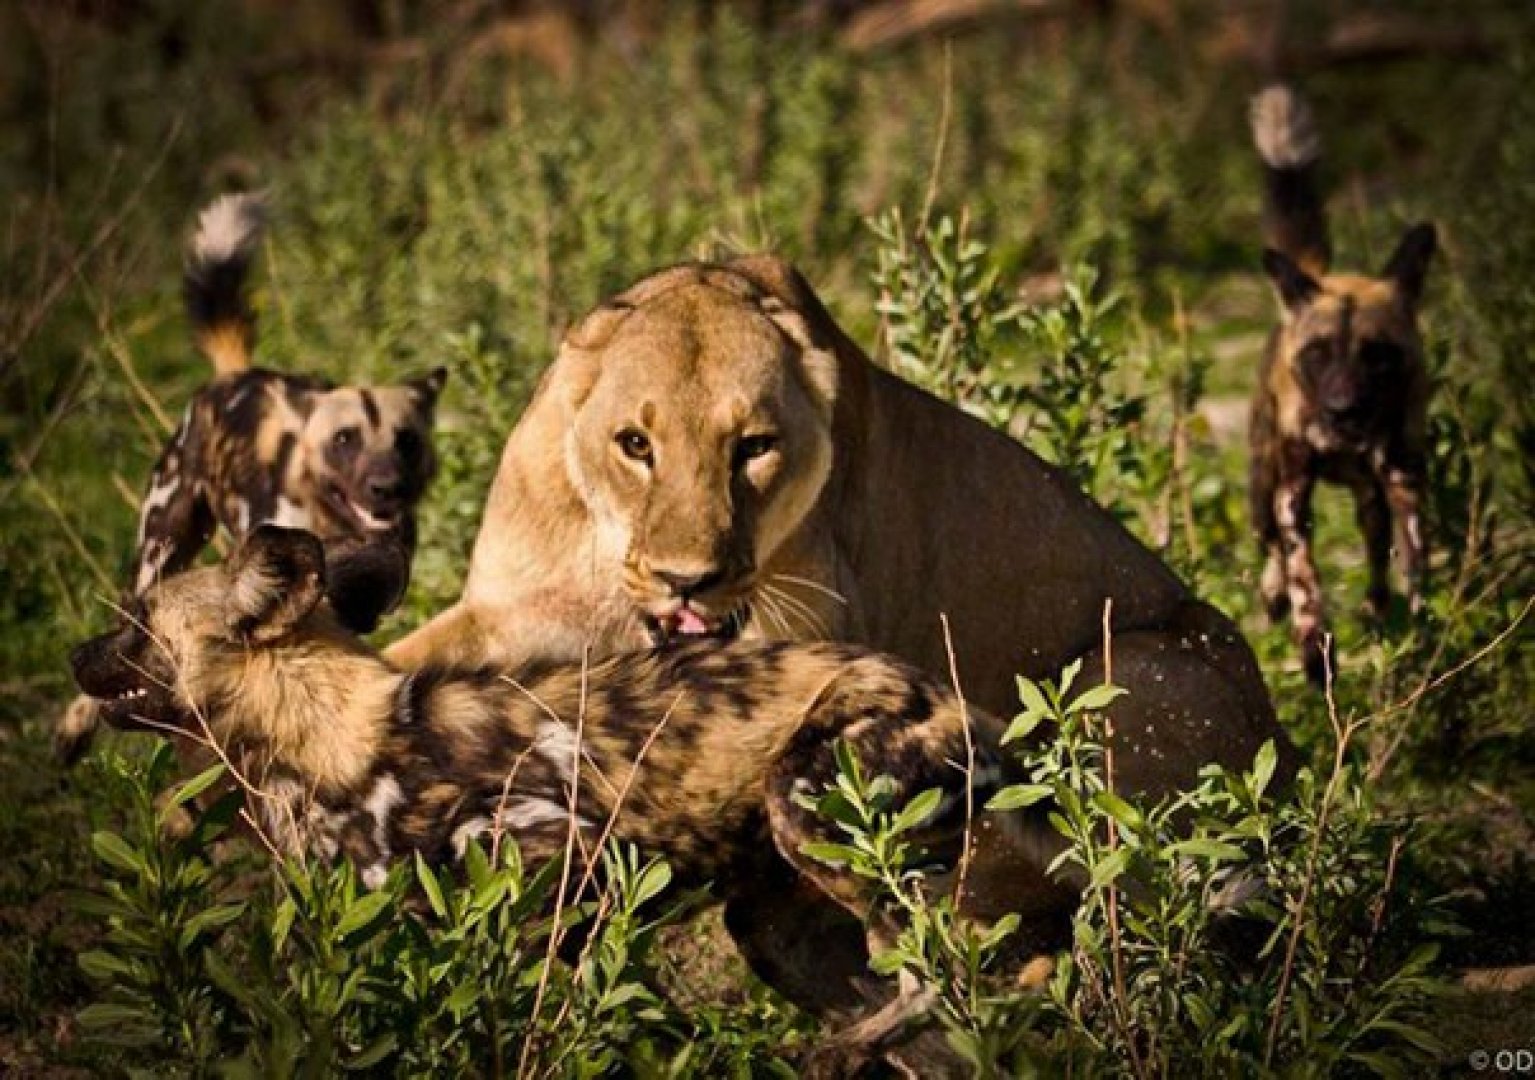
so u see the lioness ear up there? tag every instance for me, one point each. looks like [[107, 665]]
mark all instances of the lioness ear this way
[[1295, 286], [817, 359], [276, 578], [575, 369], [1408, 265], [793, 305]]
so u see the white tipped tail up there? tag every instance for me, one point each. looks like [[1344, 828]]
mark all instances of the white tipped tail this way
[[1284, 131], [1294, 216], [228, 233], [230, 228]]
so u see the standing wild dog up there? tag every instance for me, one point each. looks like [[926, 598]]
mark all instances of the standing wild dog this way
[[1343, 392], [348, 463], [695, 751]]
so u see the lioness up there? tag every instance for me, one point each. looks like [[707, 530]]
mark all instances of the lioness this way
[[710, 454]]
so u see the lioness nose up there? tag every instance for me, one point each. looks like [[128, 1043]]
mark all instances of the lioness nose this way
[[686, 585]]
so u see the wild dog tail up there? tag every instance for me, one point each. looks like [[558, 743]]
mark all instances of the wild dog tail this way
[[1294, 220], [228, 233]]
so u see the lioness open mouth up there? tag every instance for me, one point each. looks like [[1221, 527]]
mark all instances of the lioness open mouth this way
[[687, 622]]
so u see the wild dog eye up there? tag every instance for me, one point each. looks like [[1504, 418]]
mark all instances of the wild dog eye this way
[[407, 444], [752, 447], [635, 445], [1380, 355], [343, 438]]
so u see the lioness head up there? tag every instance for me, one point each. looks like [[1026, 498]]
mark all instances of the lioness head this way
[[1351, 342], [701, 433]]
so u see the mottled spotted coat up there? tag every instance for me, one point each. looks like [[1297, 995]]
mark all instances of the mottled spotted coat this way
[[1342, 394], [696, 752], [259, 446], [347, 463]]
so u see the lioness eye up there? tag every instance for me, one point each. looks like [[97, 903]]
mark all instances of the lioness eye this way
[[634, 444], [751, 447]]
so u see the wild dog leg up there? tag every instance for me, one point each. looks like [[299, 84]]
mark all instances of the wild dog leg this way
[[918, 741], [1292, 513], [1263, 480], [1404, 493], [175, 521], [74, 729], [1374, 519], [805, 946]]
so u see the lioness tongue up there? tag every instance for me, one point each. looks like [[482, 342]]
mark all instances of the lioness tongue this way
[[690, 622]]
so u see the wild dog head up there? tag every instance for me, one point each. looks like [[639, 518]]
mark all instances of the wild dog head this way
[[700, 438], [202, 643], [1351, 343], [368, 450]]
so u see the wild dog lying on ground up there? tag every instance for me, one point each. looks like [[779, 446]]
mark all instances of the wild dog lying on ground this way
[[694, 751], [348, 463], [1343, 393]]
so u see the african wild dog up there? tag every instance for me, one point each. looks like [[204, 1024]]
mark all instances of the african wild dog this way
[[696, 751], [1343, 391], [348, 463]]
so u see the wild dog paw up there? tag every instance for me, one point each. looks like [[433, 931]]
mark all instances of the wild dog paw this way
[[1318, 656], [835, 1059], [1275, 591], [74, 729]]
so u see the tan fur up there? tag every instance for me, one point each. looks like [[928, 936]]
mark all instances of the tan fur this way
[[228, 346], [882, 509]]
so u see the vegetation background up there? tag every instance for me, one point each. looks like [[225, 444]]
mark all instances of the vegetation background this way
[[1068, 186]]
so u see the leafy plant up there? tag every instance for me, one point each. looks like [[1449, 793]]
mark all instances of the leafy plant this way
[[986, 1021], [297, 968], [1221, 931]]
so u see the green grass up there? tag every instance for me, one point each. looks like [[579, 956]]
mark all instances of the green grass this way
[[467, 225]]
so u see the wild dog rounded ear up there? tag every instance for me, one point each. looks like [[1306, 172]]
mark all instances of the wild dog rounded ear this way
[[430, 385], [276, 578], [1295, 286], [1408, 265], [365, 580]]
